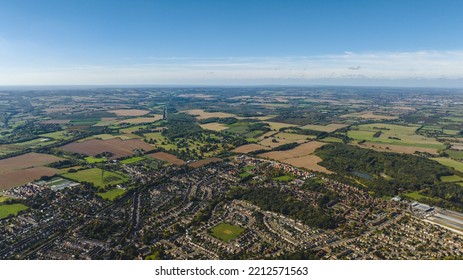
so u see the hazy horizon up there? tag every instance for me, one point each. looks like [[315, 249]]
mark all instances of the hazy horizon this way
[[355, 43]]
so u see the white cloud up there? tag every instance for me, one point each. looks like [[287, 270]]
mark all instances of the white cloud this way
[[411, 68]]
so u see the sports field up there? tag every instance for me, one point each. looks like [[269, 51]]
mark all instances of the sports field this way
[[284, 178], [226, 232], [112, 194], [98, 177], [11, 209]]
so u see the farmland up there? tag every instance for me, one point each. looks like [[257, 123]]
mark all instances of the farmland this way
[[214, 126], [370, 116], [303, 149], [98, 177], [458, 155], [451, 178], [250, 148], [277, 126], [167, 157], [22, 169], [26, 161], [140, 120], [450, 163], [400, 135], [203, 162], [117, 147], [201, 114], [310, 162], [132, 160], [95, 160], [300, 156], [326, 128], [129, 112]]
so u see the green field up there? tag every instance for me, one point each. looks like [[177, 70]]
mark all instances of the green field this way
[[239, 128], [98, 177], [112, 194], [453, 178], [11, 209], [94, 159], [450, 163], [58, 135], [455, 154], [39, 142], [4, 198], [226, 232], [293, 136], [393, 134], [277, 125], [284, 178], [6, 150], [248, 168], [245, 174], [132, 160], [419, 197], [331, 140]]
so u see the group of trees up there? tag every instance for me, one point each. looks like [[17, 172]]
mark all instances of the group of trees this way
[[272, 199], [181, 125], [392, 173], [28, 131]]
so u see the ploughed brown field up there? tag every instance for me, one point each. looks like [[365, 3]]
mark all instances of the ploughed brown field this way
[[203, 162], [300, 156], [119, 148], [23, 169], [167, 157], [250, 148]]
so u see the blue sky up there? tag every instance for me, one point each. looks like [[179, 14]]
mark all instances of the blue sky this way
[[416, 43]]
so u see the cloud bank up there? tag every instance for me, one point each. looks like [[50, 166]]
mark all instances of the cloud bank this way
[[420, 68]]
